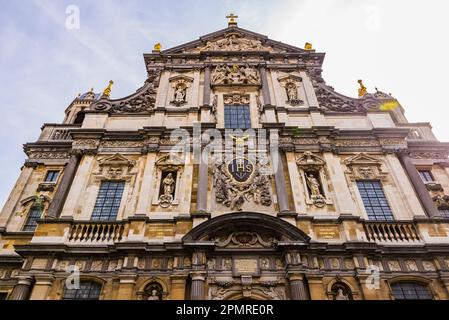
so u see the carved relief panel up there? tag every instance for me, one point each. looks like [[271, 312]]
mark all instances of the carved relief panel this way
[[235, 75], [241, 183]]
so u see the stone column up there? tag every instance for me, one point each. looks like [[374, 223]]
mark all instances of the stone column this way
[[203, 178], [419, 186], [198, 286], [22, 289], [281, 187], [265, 88], [297, 288], [207, 83], [42, 288], [64, 187]]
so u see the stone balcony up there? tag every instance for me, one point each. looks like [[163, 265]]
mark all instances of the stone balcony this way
[[392, 232], [57, 132]]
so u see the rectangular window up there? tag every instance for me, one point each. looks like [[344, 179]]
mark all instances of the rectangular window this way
[[444, 213], [52, 176], [34, 215], [426, 176], [237, 117], [108, 201], [374, 199]]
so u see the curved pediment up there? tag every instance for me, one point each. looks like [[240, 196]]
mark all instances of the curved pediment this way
[[245, 229]]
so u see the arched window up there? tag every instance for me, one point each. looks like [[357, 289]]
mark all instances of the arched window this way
[[340, 291], [88, 290], [411, 291]]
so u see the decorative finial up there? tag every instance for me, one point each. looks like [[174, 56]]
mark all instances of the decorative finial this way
[[362, 90], [157, 47], [232, 22], [91, 90], [308, 46], [107, 91]]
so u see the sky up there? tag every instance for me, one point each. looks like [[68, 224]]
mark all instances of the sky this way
[[48, 55]]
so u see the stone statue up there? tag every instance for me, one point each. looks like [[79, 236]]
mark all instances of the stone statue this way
[[341, 295], [240, 195], [180, 94], [292, 92], [314, 185], [169, 185], [250, 74], [154, 295]]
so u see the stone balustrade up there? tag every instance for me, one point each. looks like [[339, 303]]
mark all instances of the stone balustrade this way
[[57, 132], [96, 232], [399, 232]]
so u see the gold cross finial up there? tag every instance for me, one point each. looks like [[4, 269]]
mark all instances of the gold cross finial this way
[[232, 22]]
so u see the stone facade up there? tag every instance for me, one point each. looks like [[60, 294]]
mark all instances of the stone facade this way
[[293, 226]]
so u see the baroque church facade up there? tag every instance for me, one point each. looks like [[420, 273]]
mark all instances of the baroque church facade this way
[[235, 172]]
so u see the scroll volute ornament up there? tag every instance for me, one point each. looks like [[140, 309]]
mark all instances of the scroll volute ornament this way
[[364, 167]]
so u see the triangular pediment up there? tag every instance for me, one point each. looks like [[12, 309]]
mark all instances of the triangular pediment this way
[[362, 159], [116, 160], [234, 39]]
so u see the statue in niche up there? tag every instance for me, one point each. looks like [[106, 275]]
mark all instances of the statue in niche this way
[[292, 92], [341, 295], [169, 184], [168, 190], [314, 185], [154, 295], [291, 89], [315, 190], [180, 95]]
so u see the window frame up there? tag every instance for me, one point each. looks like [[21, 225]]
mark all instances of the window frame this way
[[425, 174], [415, 284], [116, 202], [77, 292], [28, 225], [57, 172], [375, 213], [232, 123]]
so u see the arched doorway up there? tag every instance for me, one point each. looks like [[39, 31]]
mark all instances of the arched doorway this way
[[247, 255]]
